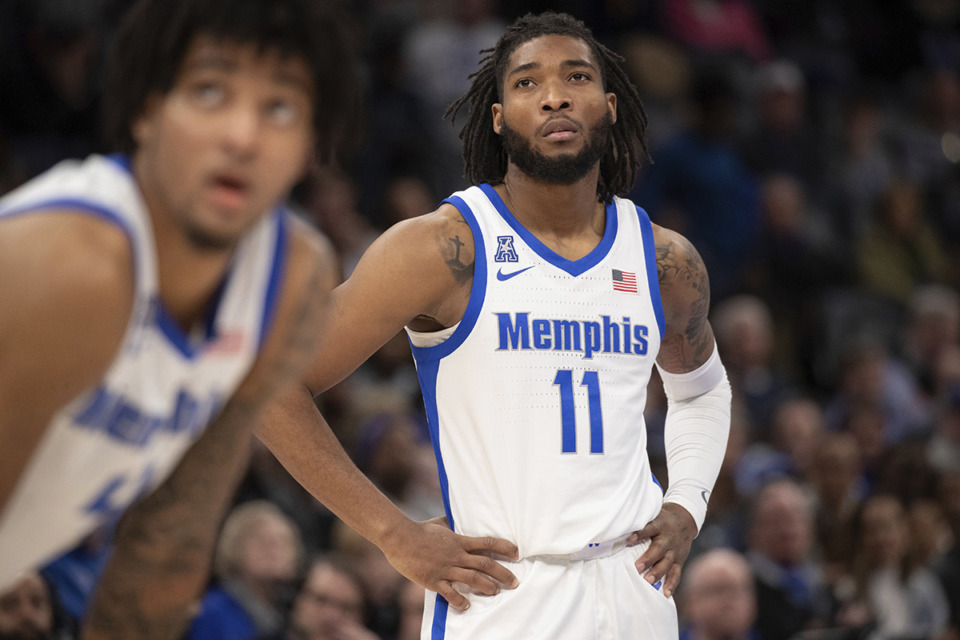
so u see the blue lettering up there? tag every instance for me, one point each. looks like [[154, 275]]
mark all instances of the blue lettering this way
[[611, 336], [593, 339], [640, 336], [514, 336], [541, 334], [566, 335]]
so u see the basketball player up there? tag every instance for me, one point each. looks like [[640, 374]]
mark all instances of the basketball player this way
[[151, 301], [537, 304]]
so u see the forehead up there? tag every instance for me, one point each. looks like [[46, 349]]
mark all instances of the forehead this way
[[206, 53], [551, 48]]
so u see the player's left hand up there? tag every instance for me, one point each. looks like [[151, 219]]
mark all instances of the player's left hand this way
[[671, 534]]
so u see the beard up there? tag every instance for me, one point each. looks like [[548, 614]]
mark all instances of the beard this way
[[562, 169]]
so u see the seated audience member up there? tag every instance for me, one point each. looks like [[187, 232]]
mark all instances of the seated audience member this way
[[718, 601], [256, 563], [330, 604], [791, 596], [904, 599], [30, 610], [410, 603]]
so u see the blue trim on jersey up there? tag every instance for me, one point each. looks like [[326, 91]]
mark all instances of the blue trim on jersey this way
[[477, 293], [169, 327], [438, 630], [573, 267], [653, 281], [427, 374], [277, 270], [122, 160]]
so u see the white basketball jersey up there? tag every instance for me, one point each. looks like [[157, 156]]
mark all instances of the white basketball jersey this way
[[122, 438], [535, 399]]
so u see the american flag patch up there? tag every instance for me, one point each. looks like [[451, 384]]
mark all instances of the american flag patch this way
[[624, 281]]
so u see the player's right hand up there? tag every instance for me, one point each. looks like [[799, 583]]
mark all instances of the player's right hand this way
[[435, 557]]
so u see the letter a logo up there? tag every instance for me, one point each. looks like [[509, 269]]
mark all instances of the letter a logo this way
[[505, 250]]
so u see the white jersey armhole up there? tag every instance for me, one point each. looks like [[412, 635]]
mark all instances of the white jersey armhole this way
[[423, 339]]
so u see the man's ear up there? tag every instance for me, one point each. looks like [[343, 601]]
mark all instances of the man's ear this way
[[497, 110], [612, 106]]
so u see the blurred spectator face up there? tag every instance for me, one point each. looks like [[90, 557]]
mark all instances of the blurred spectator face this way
[[903, 208], [411, 611], [884, 531], [928, 530], [782, 528], [407, 198], [784, 205], [798, 425], [25, 610], [867, 423], [270, 551], [837, 467], [329, 601], [782, 97], [719, 599], [745, 332], [862, 375]]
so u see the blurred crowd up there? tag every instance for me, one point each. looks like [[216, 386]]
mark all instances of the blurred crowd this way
[[810, 149]]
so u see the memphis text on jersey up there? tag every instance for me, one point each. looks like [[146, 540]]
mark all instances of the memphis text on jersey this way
[[519, 332]]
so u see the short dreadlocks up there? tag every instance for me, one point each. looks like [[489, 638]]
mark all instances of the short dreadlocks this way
[[483, 155]]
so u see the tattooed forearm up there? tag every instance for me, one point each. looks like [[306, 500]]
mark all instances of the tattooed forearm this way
[[165, 542], [685, 288]]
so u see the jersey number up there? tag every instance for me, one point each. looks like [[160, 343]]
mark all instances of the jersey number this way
[[591, 380]]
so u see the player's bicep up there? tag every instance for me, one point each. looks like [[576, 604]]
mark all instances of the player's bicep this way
[[66, 294], [685, 293]]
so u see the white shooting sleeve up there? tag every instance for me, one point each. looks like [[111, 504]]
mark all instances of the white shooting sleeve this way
[[695, 433]]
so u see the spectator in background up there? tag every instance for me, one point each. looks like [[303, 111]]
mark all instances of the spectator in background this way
[[871, 381], [797, 428], [330, 604], [784, 141], [791, 595], [903, 598], [797, 256], [744, 329], [718, 599], [441, 53], [717, 28], [380, 582], [30, 610], [933, 329], [947, 566], [411, 611], [901, 249], [257, 559], [839, 487], [861, 166], [699, 186]]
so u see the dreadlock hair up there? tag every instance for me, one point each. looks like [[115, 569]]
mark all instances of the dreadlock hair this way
[[153, 38], [483, 155]]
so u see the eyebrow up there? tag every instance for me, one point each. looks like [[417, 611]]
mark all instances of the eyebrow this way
[[211, 61], [579, 62]]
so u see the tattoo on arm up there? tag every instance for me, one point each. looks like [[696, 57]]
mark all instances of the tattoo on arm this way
[[680, 269], [165, 542], [450, 248]]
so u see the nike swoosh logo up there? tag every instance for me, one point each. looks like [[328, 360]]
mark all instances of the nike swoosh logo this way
[[501, 276], [704, 494]]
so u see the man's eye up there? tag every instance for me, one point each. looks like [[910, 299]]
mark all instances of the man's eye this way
[[282, 112], [208, 93]]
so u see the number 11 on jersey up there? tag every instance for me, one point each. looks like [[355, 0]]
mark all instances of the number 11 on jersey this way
[[591, 380]]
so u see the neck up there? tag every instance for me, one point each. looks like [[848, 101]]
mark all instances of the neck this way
[[561, 210], [187, 275]]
